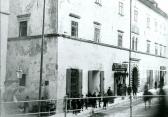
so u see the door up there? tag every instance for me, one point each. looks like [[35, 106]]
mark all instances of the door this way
[[74, 82], [101, 82]]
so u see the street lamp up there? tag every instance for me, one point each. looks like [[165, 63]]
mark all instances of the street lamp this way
[[19, 72]]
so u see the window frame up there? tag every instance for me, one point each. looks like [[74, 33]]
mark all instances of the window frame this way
[[97, 32], [156, 48], [136, 15], [76, 27], [120, 38], [121, 8], [23, 29], [148, 22], [148, 48]]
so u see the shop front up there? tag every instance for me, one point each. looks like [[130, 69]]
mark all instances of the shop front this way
[[162, 76], [120, 75]]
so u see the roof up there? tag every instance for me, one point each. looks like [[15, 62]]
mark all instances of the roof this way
[[153, 5]]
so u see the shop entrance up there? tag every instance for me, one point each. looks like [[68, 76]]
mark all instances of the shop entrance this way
[[120, 83], [135, 78], [95, 81], [74, 83]]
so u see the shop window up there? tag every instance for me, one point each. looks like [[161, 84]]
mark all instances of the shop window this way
[[150, 78]]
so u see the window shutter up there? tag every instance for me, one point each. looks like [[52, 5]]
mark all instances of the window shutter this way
[[80, 82], [90, 82], [101, 82], [68, 82]]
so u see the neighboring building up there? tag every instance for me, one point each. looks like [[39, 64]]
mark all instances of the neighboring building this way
[[4, 13], [86, 47]]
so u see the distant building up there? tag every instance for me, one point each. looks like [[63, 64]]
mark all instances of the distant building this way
[[87, 46]]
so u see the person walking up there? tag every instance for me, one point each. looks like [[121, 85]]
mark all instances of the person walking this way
[[105, 100], [110, 93], [99, 99]]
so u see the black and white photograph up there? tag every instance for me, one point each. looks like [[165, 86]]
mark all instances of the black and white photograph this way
[[83, 58]]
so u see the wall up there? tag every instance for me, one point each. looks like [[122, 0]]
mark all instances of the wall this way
[[89, 11], [35, 9], [25, 53]]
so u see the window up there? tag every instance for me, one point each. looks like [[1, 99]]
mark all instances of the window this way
[[22, 81], [148, 46], [74, 29], [22, 28], [160, 50], [148, 22], [156, 26], [121, 8], [120, 38], [164, 50], [156, 49], [97, 32], [134, 43], [136, 15]]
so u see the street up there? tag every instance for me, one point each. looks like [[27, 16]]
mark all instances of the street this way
[[138, 110]]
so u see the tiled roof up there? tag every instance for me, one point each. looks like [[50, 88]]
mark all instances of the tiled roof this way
[[153, 7]]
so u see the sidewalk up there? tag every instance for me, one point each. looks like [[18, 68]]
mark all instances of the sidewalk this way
[[86, 113]]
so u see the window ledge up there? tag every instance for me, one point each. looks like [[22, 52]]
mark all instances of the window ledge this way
[[98, 3]]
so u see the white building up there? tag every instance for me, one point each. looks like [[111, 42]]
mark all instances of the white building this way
[[87, 46]]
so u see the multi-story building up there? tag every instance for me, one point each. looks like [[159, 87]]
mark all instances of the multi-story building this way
[[4, 13], [87, 46]]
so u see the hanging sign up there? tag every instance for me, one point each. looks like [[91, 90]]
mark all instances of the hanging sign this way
[[119, 67]]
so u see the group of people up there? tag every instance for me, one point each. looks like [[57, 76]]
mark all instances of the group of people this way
[[91, 100]]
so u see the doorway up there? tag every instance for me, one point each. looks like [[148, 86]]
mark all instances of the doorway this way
[[120, 83], [74, 83], [95, 81], [135, 80]]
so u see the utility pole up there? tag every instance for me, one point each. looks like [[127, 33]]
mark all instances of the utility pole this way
[[130, 57], [41, 64]]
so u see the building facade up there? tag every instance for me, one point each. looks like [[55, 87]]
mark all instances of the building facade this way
[[86, 47]]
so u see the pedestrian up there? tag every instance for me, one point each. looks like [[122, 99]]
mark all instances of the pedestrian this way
[[129, 90], [134, 90], [94, 100], [86, 101], [110, 93], [99, 99], [82, 102], [105, 100], [26, 105], [155, 84]]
